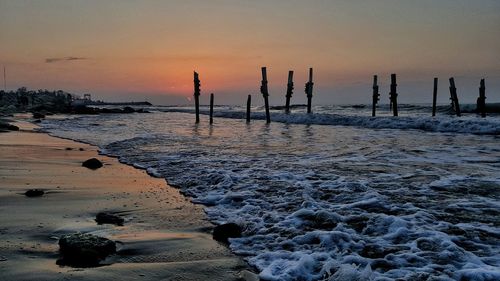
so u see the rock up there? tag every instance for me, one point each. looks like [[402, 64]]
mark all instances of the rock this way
[[83, 249], [8, 127], [228, 230], [34, 193], [81, 149], [13, 128], [92, 163], [108, 218], [38, 115]]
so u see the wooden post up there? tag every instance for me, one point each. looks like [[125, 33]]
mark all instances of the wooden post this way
[[197, 96], [249, 103], [309, 90], [265, 93], [394, 95], [289, 91], [454, 97], [481, 100], [376, 95], [211, 108], [434, 96]]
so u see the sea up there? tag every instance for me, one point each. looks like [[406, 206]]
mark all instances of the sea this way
[[332, 195]]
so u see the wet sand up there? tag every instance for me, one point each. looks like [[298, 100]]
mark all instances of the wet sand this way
[[164, 237]]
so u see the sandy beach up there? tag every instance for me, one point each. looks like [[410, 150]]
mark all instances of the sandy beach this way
[[164, 237]]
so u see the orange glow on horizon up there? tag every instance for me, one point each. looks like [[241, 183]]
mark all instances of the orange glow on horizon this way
[[152, 47]]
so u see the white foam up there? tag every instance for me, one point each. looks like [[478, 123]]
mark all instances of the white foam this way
[[446, 123], [327, 202]]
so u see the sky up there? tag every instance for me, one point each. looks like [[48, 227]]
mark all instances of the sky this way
[[121, 50]]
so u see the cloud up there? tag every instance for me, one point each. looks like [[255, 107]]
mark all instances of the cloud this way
[[52, 60]]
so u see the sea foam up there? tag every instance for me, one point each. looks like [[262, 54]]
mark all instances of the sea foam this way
[[326, 202]]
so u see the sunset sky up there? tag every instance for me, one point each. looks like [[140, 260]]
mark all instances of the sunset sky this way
[[136, 50]]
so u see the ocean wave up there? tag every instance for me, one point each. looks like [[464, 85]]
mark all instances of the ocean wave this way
[[325, 202], [447, 124], [305, 221]]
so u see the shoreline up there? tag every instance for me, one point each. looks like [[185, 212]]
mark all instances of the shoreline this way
[[165, 236]]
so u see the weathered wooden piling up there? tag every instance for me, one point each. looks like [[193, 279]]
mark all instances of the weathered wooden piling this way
[[197, 96], [249, 104], [265, 93], [454, 97], [211, 108], [376, 95], [289, 91], [309, 90], [434, 96], [394, 95], [481, 100]]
